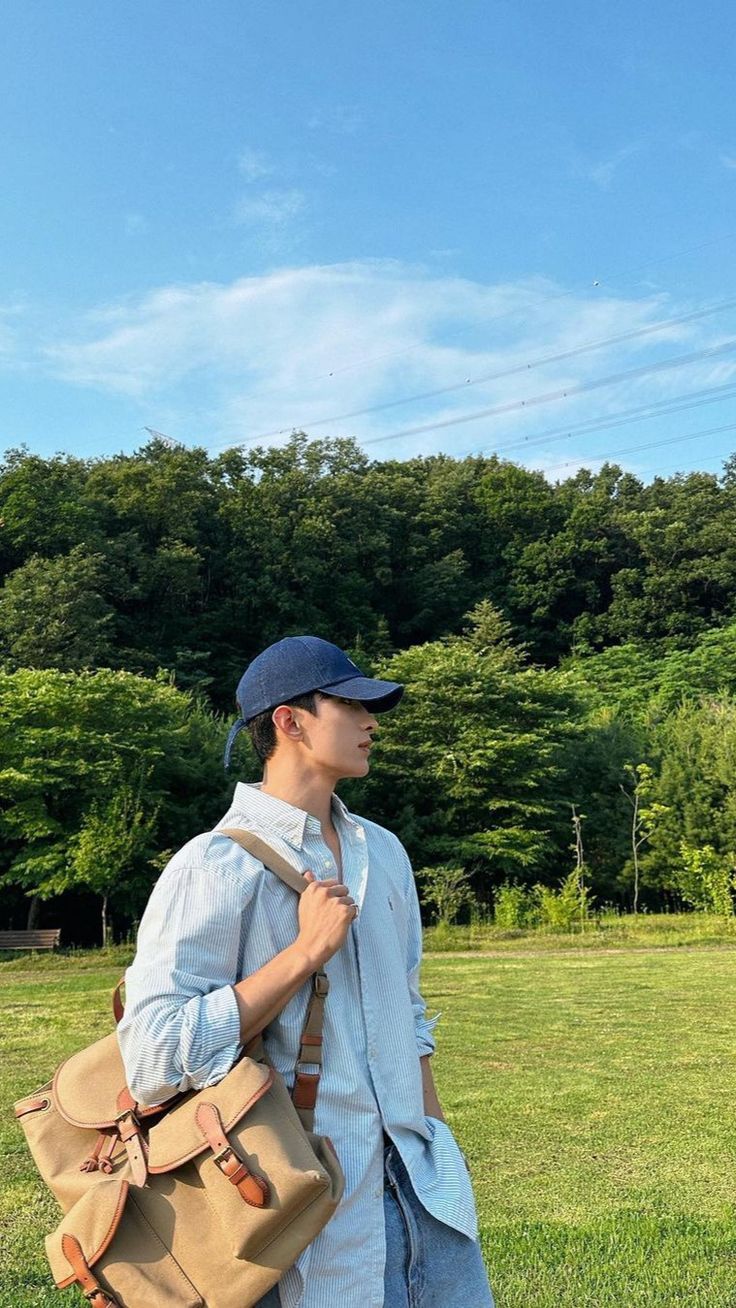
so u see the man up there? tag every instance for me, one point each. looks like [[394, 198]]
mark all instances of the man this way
[[224, 953]]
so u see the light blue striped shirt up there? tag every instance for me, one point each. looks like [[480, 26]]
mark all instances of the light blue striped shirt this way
[[215, 916]]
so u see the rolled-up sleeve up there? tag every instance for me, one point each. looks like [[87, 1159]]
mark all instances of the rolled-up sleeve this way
[[181, 1027], [423, 1025]]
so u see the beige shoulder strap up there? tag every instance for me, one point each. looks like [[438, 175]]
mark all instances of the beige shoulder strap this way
[[261, 850], [306, 1083]]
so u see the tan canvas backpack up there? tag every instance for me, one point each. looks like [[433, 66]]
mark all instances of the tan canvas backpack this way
[[202, 1202]]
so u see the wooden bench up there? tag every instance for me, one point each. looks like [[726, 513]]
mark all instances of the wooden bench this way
[[46, 939]]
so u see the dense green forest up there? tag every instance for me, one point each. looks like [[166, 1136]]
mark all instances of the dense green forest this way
[[569, 651]]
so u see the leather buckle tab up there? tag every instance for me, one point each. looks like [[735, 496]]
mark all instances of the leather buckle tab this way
[[304, 1094]]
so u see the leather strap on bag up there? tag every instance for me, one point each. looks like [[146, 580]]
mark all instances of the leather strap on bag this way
[[306, 1084], [32, 1104], [130, 1133], [117, 1001], [86, 1279], [253, 1189]]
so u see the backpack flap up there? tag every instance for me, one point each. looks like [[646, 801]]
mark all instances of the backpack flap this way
[[87, 1230], [87, 1086], [108, 1248], [178, 1137]]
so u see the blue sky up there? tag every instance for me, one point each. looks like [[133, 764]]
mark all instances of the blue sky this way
[[227, 220]]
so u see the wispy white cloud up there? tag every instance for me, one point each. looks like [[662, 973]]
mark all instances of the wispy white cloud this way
[[255, 358], [271, 208], [253, 165], [728, 160], [604, 171]]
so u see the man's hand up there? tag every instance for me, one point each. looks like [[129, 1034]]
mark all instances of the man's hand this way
[[326, 912], [432, 1106]]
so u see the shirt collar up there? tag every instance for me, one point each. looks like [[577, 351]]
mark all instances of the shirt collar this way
[[281, 818]]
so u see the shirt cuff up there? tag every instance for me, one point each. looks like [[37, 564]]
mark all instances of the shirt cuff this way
[[424, 1028], [220, 1015]]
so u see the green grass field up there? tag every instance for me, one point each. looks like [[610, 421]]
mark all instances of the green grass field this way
[[594, 1091]]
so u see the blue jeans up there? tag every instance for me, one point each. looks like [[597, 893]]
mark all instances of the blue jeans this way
[[428, 1264]]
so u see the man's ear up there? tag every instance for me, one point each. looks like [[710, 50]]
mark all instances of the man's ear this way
[[286, 723]]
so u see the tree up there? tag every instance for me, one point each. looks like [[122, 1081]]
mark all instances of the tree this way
[[116, 838], [646, 813], [622, 679], [165, 546], [593, 756], [42, 507], [53, 613], [683, 578], [469, 765], [100, 772], [706, 879], [708, 669], [562, 582], [447, 890], [694, 750]]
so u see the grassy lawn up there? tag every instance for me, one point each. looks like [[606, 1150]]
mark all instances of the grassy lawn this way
[[594, 1091]]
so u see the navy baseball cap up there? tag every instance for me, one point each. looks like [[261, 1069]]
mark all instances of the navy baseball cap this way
[[300, 664]]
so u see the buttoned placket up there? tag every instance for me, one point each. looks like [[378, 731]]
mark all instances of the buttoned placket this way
[[358, 857], [354, 858]]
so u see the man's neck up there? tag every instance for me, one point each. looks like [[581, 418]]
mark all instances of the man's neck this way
[[312, 794]]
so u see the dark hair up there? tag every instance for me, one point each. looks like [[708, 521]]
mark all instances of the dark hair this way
[[262, 730]]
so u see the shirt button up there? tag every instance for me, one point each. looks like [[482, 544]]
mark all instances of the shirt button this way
[[372, 1051]]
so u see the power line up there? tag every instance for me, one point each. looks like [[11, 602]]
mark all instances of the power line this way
[[650, 445], [560, 357], [170, 441], [717, 458], [641, 413], [581, 388]]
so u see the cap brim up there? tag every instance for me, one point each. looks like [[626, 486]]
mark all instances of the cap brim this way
[[380, 695]]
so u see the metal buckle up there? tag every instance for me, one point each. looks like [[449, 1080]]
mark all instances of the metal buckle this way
[[225, 1155], [321, 984], [302, 1065]]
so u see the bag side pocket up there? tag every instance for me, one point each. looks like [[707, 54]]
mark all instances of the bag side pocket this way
[[299, 1174], [106, 1245]]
